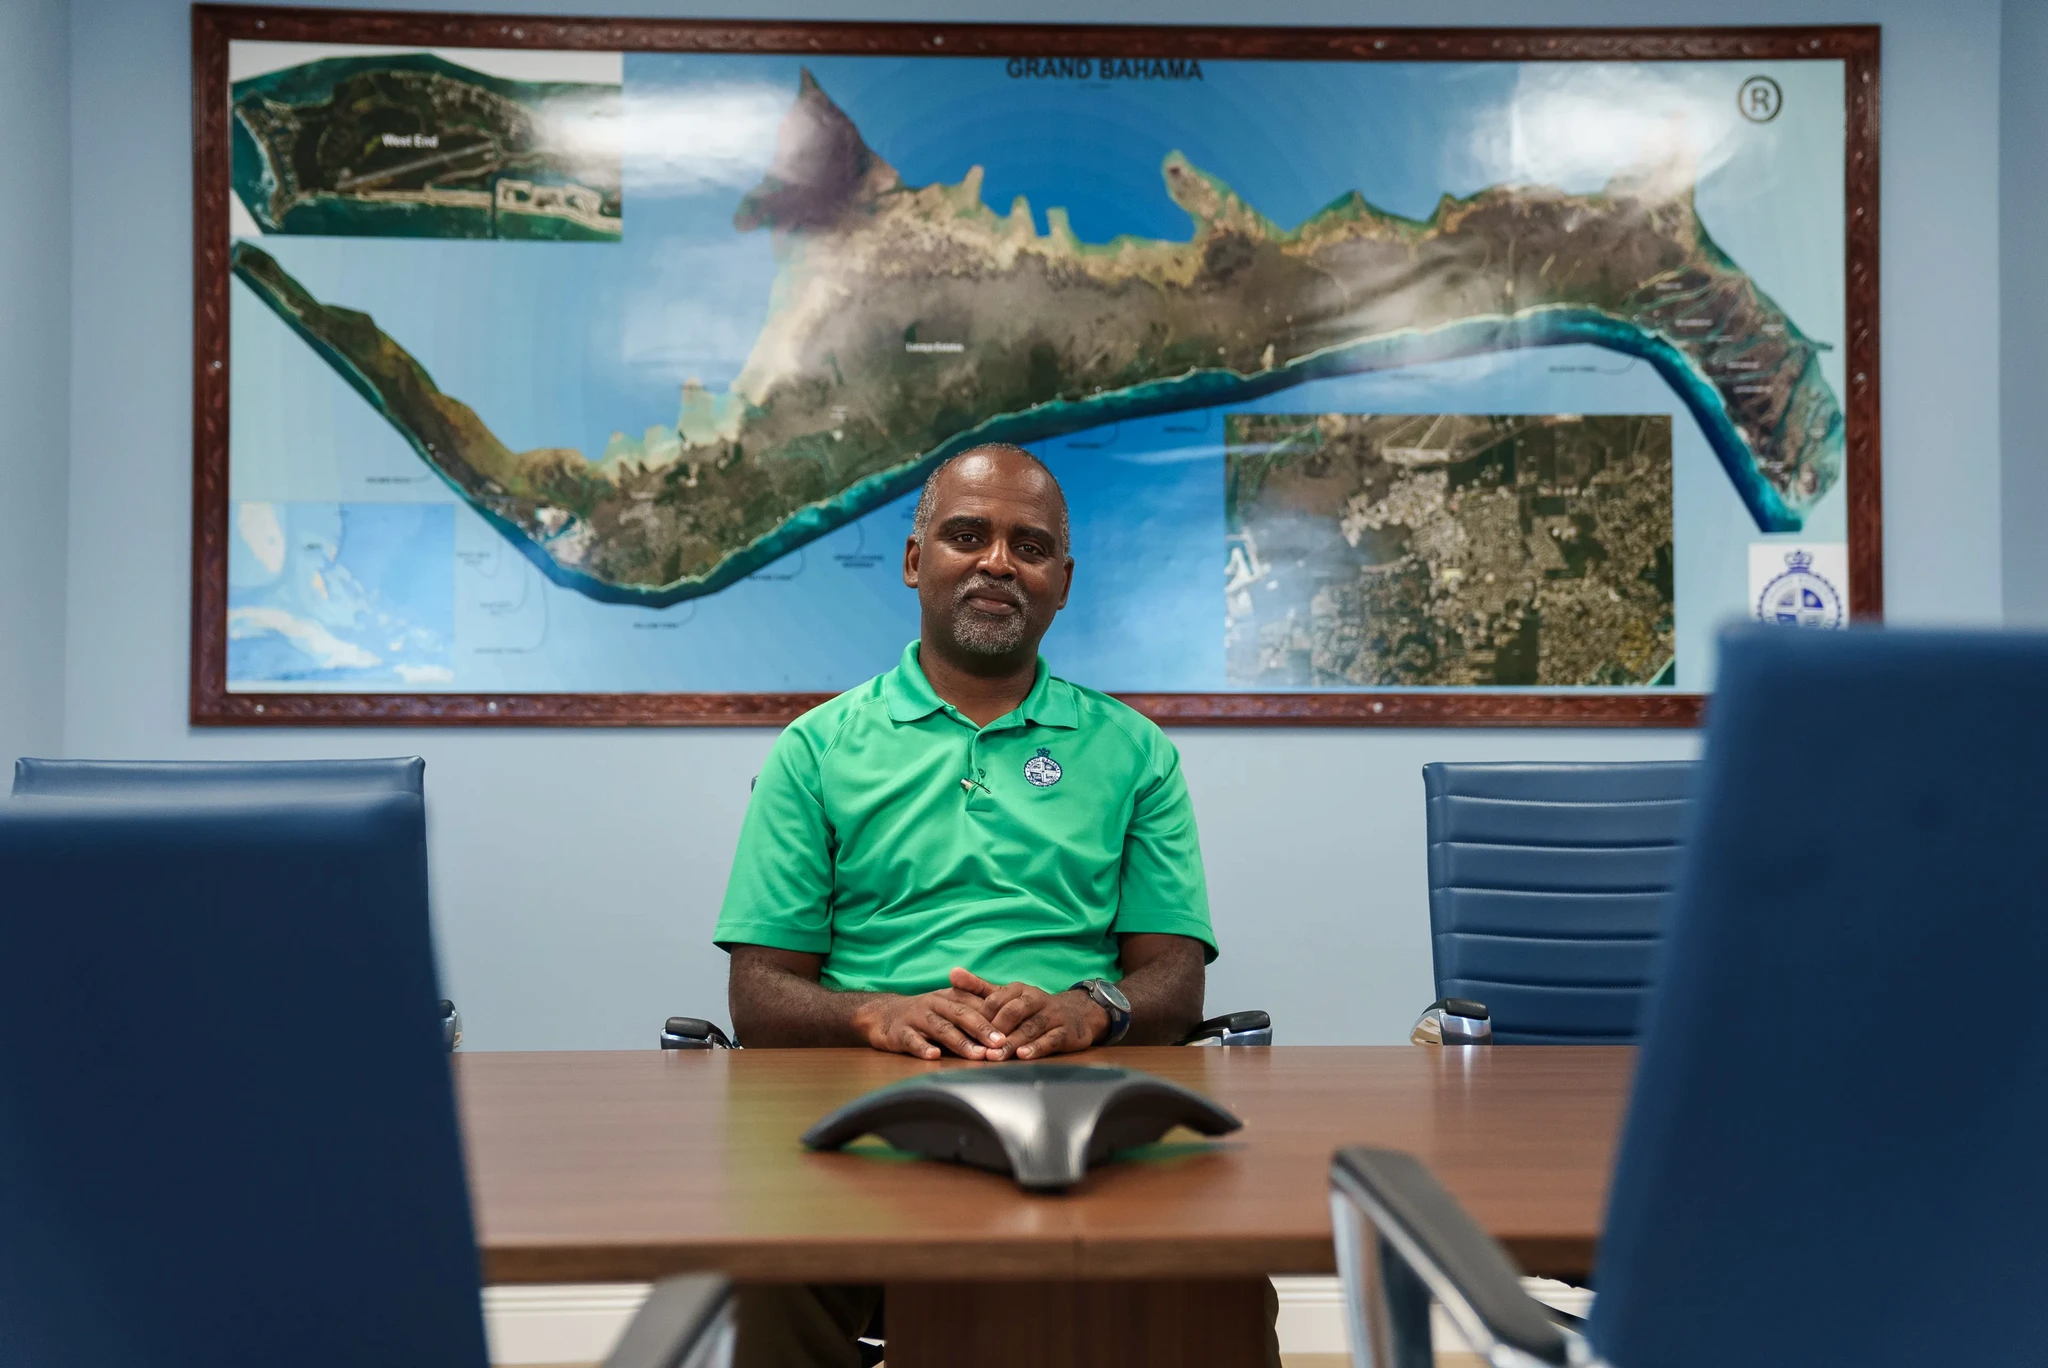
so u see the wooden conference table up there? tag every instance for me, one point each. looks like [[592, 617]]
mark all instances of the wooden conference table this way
[[625, 1167]]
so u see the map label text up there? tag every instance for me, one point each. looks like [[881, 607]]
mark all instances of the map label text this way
[[1105, 68]]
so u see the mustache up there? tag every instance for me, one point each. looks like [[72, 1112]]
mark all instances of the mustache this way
[[989, 587]]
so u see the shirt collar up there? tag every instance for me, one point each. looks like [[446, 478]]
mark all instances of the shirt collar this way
[[911, 698], [908, 692]]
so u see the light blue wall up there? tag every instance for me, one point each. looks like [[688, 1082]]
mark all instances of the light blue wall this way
[[2023, 330], [577, 873], [35, 248]]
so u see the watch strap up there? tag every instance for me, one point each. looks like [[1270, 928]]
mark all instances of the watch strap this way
[[1119, 1017]]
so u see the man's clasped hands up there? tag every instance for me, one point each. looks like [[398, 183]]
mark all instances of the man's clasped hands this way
[[976, 1019]]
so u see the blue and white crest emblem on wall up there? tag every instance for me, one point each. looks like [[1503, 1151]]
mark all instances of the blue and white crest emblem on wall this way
[[1042, 770], [1800, 596]]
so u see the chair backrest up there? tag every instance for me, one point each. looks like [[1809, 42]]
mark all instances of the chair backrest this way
[[1833, 1146], [147, 779], [1547, 885], [183, 1181]]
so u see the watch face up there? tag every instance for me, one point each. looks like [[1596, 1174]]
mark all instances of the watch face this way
[[1114, 994]]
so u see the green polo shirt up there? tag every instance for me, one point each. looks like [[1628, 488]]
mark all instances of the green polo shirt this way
[[862, 843]]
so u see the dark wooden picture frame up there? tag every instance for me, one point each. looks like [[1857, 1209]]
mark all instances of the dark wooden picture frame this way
[[214, 26]]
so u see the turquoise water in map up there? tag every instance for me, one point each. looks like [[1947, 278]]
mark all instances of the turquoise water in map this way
[[563, 344]]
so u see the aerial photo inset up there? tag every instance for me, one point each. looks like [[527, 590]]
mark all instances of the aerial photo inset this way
[[415, 146], [1448, 550]]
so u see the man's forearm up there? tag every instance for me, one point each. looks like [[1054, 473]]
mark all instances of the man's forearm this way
[[778, 1002], [1165, 993], [774, 1007]]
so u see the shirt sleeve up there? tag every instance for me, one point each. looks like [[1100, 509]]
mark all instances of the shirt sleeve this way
[[1164, 889], [780, 892]]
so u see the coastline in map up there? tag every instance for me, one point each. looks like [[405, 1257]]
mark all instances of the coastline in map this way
[[1547, 327], [332, 216], [1541, 327], [314, 81]]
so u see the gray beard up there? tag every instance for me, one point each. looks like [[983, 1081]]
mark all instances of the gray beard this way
[[980, 634]]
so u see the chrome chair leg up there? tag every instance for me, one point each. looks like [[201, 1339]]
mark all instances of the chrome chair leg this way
[[1403, 1243], [1386, 1306]]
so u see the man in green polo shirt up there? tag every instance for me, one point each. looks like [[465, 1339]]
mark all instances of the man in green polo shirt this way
[[964, 855], [968, 854]]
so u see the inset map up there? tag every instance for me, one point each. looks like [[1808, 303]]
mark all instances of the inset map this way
[[412, 145], [1449, 550], [355, 592]]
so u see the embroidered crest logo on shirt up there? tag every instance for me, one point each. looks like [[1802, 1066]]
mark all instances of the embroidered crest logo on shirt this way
[[1042, 770]]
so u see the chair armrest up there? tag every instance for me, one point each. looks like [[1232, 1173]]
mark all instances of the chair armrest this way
[[1453, 1021], [1422, 1227], [684, 1323], [694, 1033], [1233, 1029]]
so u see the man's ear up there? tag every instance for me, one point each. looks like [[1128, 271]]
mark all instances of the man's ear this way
[[911, 551], [1067, 583]]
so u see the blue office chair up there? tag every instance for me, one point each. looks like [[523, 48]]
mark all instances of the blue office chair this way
[[180, 1183], [172, 780], [1839, 1076], [1547, 884]]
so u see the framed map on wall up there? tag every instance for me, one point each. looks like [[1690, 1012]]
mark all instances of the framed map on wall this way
[[585, 371]]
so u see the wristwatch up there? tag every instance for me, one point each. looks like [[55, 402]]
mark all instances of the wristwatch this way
[[1110, 999]]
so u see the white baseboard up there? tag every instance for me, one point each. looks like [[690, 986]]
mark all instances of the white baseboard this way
[[1311, 1316], [579, 1323], [574, 1323]]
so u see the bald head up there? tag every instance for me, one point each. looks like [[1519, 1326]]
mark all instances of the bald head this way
[[992, 460]]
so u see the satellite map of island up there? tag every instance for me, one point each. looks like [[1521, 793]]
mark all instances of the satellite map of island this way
[[416, 146], [845, 288]]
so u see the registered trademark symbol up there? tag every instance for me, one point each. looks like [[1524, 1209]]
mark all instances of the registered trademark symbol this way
[[1760, 99]]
